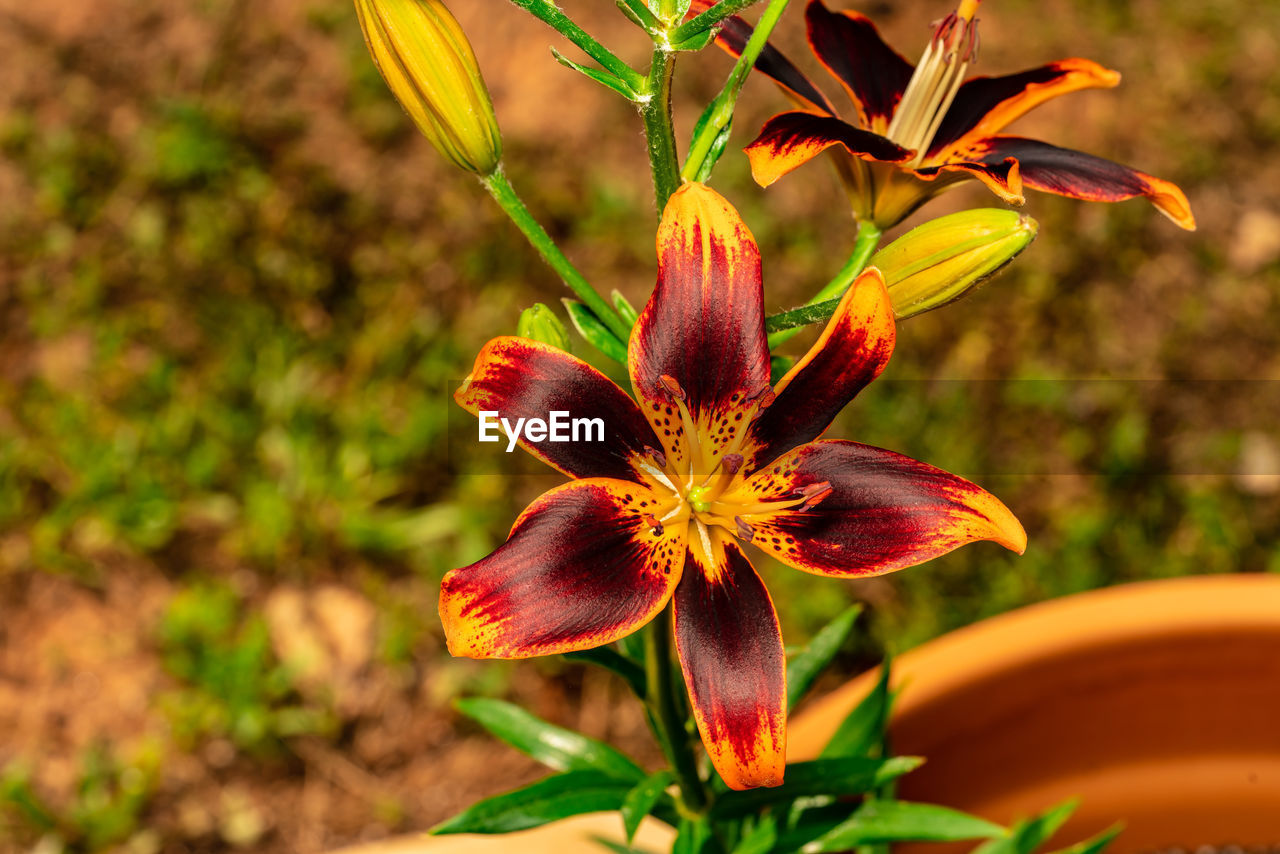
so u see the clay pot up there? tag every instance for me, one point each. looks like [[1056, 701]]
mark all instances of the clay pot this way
[[1155, 703]]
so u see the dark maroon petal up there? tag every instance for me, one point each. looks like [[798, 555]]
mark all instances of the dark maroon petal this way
[[1078, 175], [883, 512], [852, 351], [701, 336], [790, 140], [519, 378], [730, 650], [581, 568], [874, 74], [733, 37], [988, 104]]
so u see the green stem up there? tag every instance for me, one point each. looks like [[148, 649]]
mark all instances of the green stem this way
[[550, 14], [667, 719], [864, 246], [658, 130], [720, 114], [501, 190]]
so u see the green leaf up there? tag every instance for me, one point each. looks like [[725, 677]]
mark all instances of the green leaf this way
[[632, 647], [778, 367], [760, 839], [818, 777], [547, 800], [1028, 835], [641, 800], [694, 837], [695, 42], [558, 748], [624, 308], [900, 821], [863, 729], [604, 78], [814, 658], [1096, 844], [612, 660], [594, 332]]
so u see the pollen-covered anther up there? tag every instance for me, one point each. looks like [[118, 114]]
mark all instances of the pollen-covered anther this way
[[763, 399], [813, 494], [658, 457], [745, 531], [654, 523], [731, 463], [672, 387]]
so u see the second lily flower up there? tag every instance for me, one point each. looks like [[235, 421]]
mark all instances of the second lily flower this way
[[711, 458]]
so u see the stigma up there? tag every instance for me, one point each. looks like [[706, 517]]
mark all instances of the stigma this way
[[936, 81]]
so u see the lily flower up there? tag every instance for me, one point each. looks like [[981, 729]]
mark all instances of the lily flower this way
[[923, 128], [710, 459]]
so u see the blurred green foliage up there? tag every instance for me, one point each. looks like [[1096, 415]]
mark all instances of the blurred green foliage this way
[[233, 686]]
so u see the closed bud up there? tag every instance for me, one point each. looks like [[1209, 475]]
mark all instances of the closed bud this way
[[430, 68], [541, 324], [940, 261]]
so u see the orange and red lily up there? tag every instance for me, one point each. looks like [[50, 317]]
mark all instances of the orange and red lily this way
[[711, 457], [924, 128]]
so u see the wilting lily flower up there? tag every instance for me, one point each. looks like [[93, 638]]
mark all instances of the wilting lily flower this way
[[710, 459], [923, 128]]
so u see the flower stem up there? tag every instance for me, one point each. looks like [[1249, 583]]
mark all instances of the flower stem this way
[[668, 721], [658, 131], [501, 190], [864, 246]]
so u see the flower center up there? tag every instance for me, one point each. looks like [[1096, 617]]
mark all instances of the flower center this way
[[936, 81], [717, 498]]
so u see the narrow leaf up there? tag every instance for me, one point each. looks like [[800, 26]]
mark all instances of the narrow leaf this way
[[1094, 845], [864, 727], [594, 332], [814, 658], [547, 800], [604, 78], [641, 800], [624, 308], [1028, 835], [612, 660], [558, 748], [818, 777], [760, 839], [899, 821], [694, 837]]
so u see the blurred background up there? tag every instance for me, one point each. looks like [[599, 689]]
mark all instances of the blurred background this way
[[236, 288]]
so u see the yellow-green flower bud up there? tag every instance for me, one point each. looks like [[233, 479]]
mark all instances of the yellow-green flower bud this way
[[429, 66], [937, 262], [541, 324]]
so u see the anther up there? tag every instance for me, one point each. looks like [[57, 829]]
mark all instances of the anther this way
[[673, 387], [658, 457], [745, 531], [655, 525], [731, 463], [814, 493]]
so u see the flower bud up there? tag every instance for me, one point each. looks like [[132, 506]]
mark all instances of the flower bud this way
[[429, 66], [541, 324], [937, 262]]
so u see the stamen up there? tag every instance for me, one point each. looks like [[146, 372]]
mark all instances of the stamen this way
[[936, 81], [658, 457], [655, 525], [745, 531], [657, 475], [672, 387], [706, 541], [731, 463], [814, 493]]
